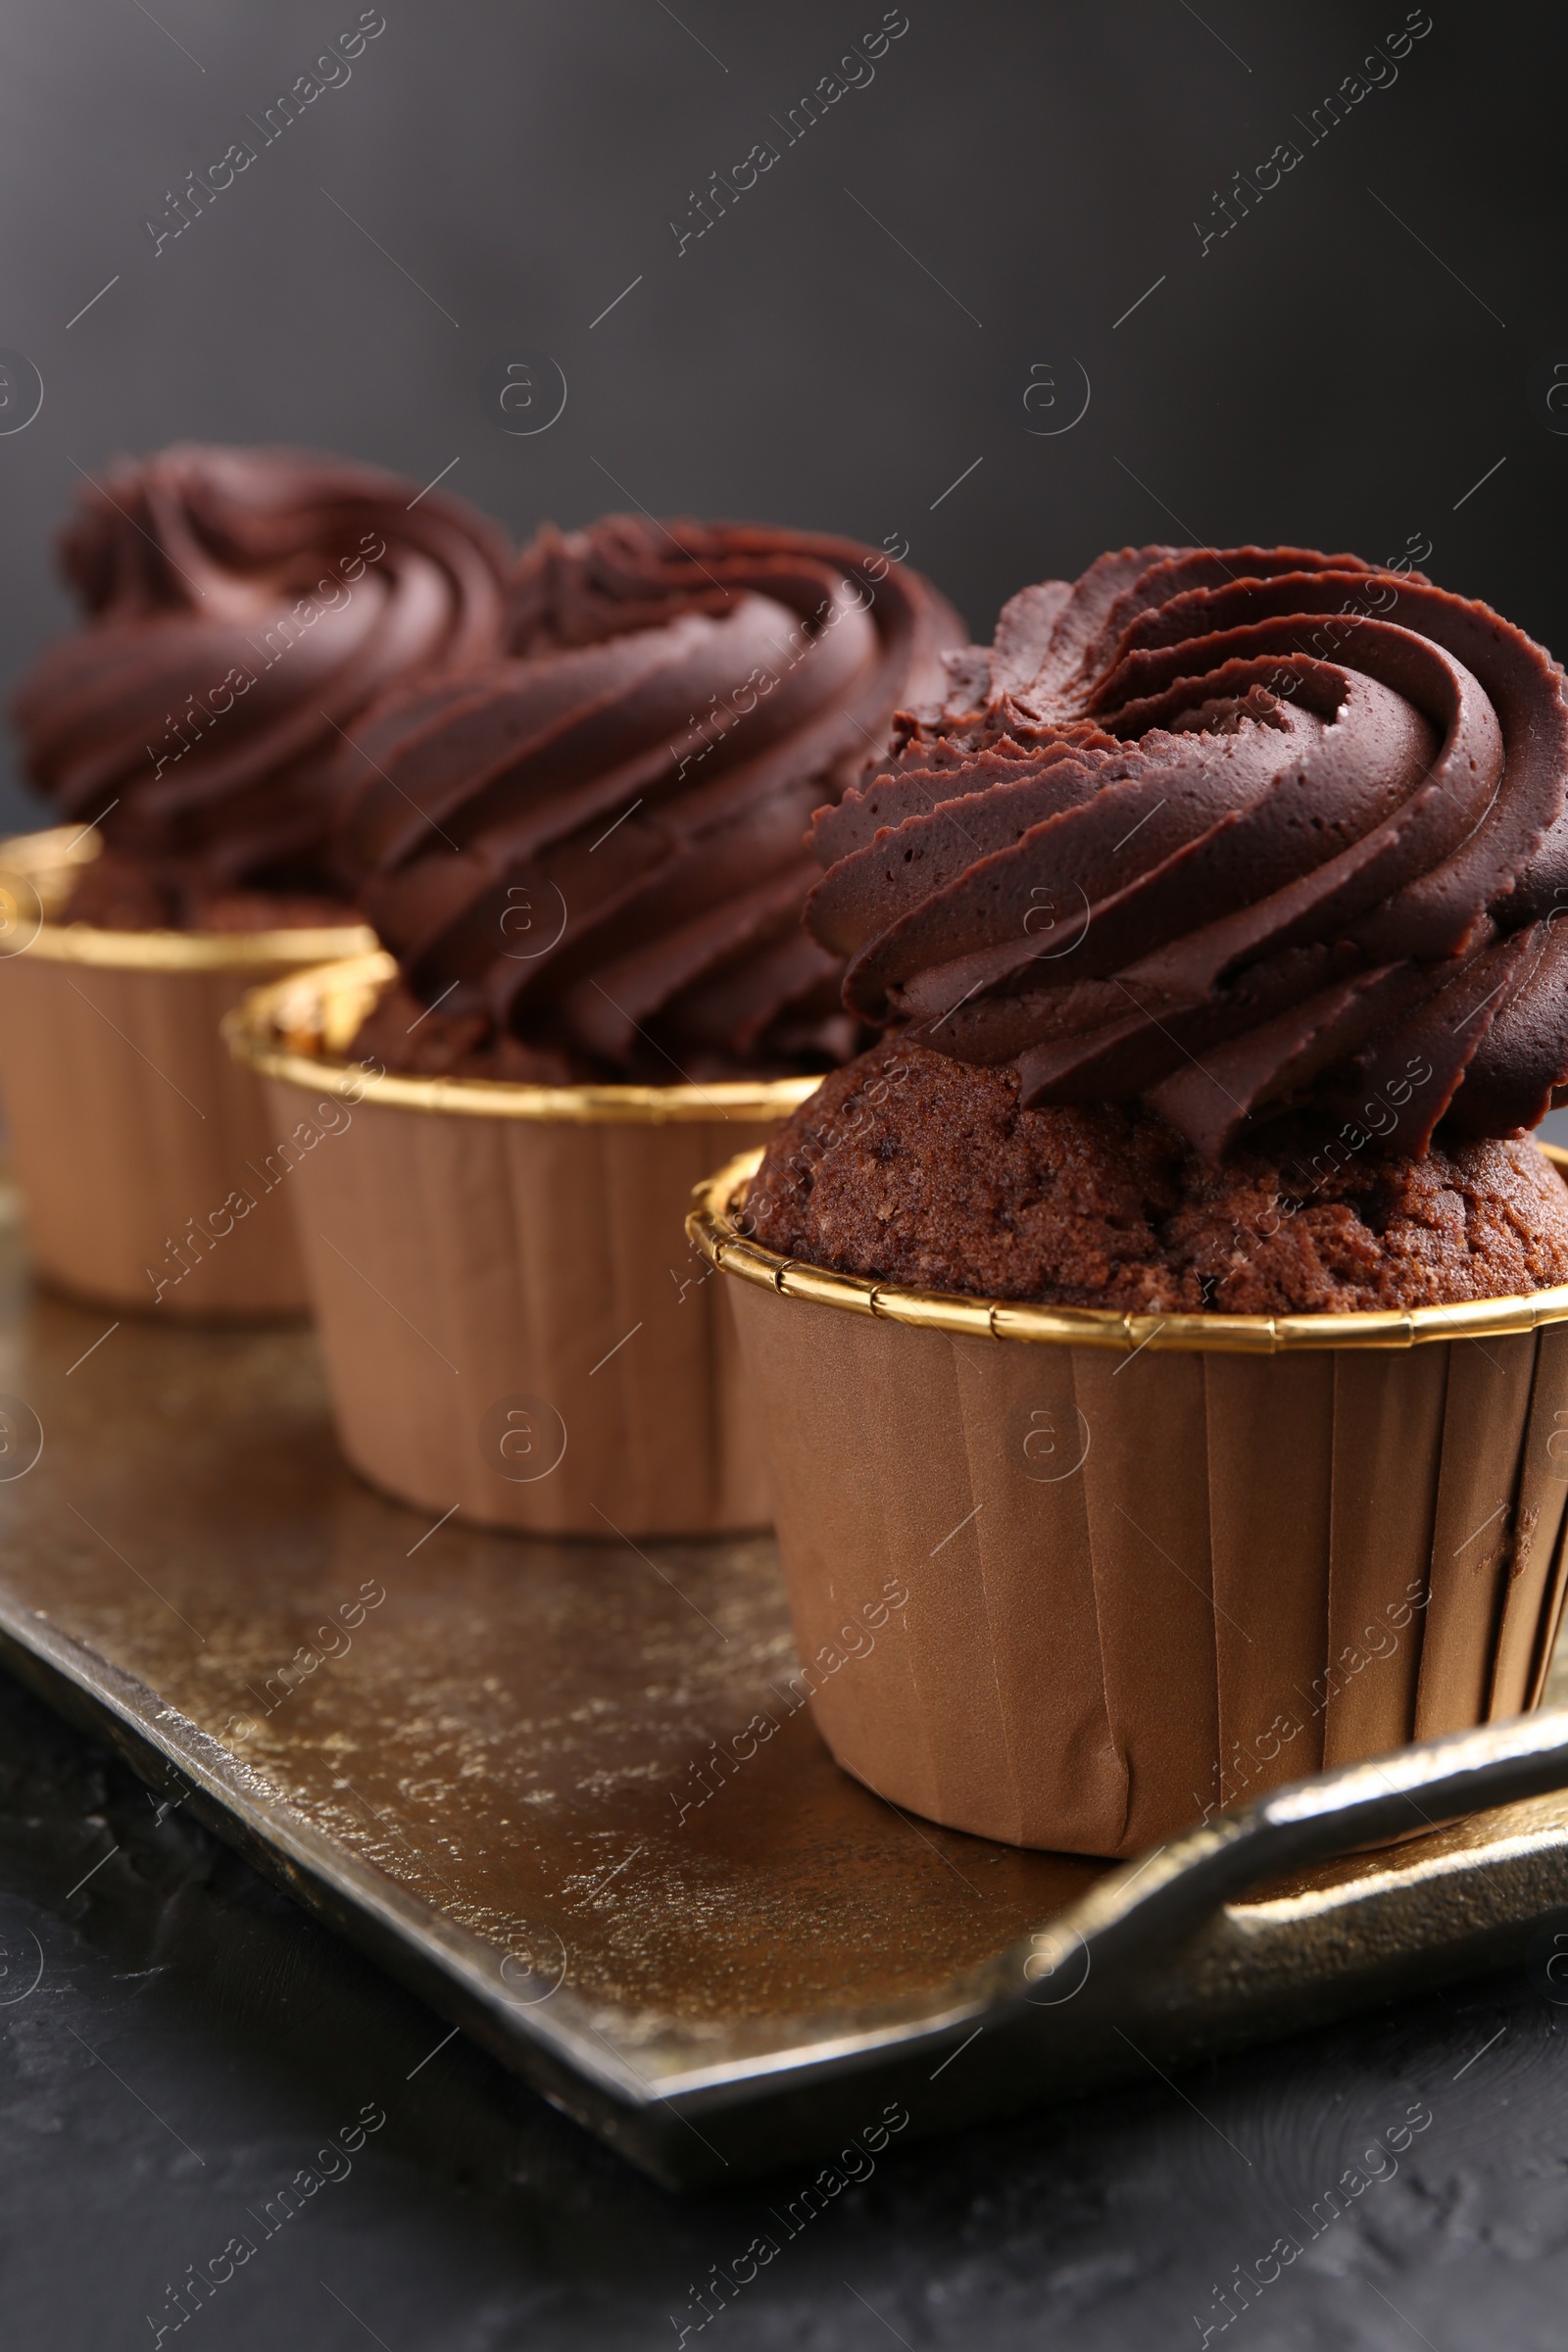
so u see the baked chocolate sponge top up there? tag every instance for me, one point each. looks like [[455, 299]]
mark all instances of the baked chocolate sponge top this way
[[1226, 832], [917, 1169]]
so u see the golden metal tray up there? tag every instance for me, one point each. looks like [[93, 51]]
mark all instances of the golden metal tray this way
[[567, 1792]]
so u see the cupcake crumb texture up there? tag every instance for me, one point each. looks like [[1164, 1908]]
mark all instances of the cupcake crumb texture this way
[[917, 1169]]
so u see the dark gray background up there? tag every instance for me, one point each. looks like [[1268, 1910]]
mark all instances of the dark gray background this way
[[1321, 374], [1316, 375]]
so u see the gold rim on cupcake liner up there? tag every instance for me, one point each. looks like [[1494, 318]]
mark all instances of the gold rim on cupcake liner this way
[[45, 865], [713, 1225], [299, 1030]]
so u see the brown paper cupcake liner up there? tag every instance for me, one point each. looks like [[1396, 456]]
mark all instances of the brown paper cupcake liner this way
[[152, 1169], [514, 1322], [1154, 1565]]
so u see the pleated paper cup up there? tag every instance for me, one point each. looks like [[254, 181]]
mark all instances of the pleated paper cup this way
[[513, 1322], [149, 1167], [1076, 1579]]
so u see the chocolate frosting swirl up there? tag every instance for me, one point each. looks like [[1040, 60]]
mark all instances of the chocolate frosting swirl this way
[[591, 862], [1234, 832], [244, 606]]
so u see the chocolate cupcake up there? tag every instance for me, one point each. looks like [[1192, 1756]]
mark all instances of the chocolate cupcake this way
[[589, 862], [1209, 921], [243, 610]]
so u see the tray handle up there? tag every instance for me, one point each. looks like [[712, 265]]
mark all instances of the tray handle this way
[[1172, 1891]]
